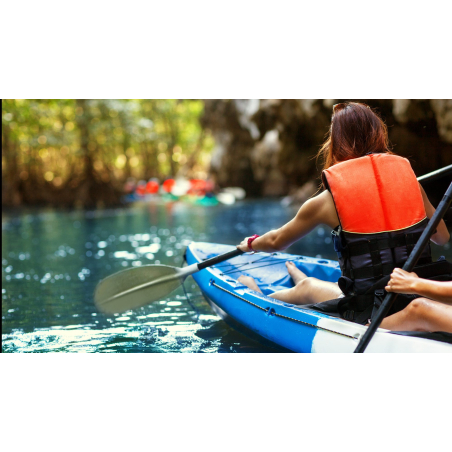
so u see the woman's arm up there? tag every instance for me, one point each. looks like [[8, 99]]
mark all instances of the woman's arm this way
[[405, 282], [442, 235], [315, 211]]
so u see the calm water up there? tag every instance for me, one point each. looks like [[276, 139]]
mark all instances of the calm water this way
[[52, 261]]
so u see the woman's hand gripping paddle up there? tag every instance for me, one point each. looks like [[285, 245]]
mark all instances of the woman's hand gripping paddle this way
[[136, 287]]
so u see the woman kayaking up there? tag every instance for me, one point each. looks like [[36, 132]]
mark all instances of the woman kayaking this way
[[377, 211]]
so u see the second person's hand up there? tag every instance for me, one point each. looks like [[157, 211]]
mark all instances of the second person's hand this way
[[402, 282]]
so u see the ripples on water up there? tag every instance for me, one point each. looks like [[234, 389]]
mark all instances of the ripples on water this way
[[52, 261]]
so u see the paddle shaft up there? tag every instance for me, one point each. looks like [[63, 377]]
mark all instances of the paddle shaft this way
[[187, 271], [218, 259], [409, 266], [436, 174]]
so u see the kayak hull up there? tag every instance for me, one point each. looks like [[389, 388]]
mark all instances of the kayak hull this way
[[285, 325], [242, 328]]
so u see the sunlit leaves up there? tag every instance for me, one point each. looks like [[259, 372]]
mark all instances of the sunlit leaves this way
[[139, 138]]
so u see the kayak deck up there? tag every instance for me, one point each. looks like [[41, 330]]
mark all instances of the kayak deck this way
[[289, 326]]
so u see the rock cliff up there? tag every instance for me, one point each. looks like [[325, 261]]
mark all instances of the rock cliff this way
[[268, 146]]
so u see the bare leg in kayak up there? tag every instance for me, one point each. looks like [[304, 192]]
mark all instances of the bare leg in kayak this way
[[421, 314], [307, 290]]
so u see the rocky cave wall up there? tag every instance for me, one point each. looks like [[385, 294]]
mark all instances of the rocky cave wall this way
[[268, 146]]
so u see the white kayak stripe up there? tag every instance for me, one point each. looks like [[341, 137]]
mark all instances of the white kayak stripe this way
[[382, 342]]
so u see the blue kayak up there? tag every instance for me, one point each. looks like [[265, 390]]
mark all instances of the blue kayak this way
[[287, 326]]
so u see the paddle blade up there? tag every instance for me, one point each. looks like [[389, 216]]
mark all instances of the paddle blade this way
[[136, 287]]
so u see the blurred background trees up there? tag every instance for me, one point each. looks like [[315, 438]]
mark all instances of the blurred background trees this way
[[79, 153]]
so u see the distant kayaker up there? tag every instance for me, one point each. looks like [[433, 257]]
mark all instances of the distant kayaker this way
[[377, 211]]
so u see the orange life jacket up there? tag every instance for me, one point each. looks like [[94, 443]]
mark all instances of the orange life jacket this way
[[375, 193], [381, 217]]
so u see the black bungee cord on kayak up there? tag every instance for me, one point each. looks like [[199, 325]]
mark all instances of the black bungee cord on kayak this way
[[218, 266], [245, 263], [259, 266], [240, 267], [237, 269]]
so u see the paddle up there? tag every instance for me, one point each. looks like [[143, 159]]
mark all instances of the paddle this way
[[409, 265], [436, 174], [139, 286]]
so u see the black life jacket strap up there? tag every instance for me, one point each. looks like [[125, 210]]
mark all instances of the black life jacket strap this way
[[376, 271], [375, 245], [377, 264], [411, 240]]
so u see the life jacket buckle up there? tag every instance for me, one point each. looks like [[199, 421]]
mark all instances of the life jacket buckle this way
[[338, 243]]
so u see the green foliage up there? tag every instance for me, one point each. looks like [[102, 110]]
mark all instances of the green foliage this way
[[56, 143]]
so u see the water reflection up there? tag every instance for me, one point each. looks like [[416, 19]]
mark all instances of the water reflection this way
[[52, 261]]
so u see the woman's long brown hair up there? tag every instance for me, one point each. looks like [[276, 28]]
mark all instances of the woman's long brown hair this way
[[355, 131]]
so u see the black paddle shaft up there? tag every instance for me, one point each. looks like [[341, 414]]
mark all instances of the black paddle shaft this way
[[447, 170], [409, 265], [221, 258]]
